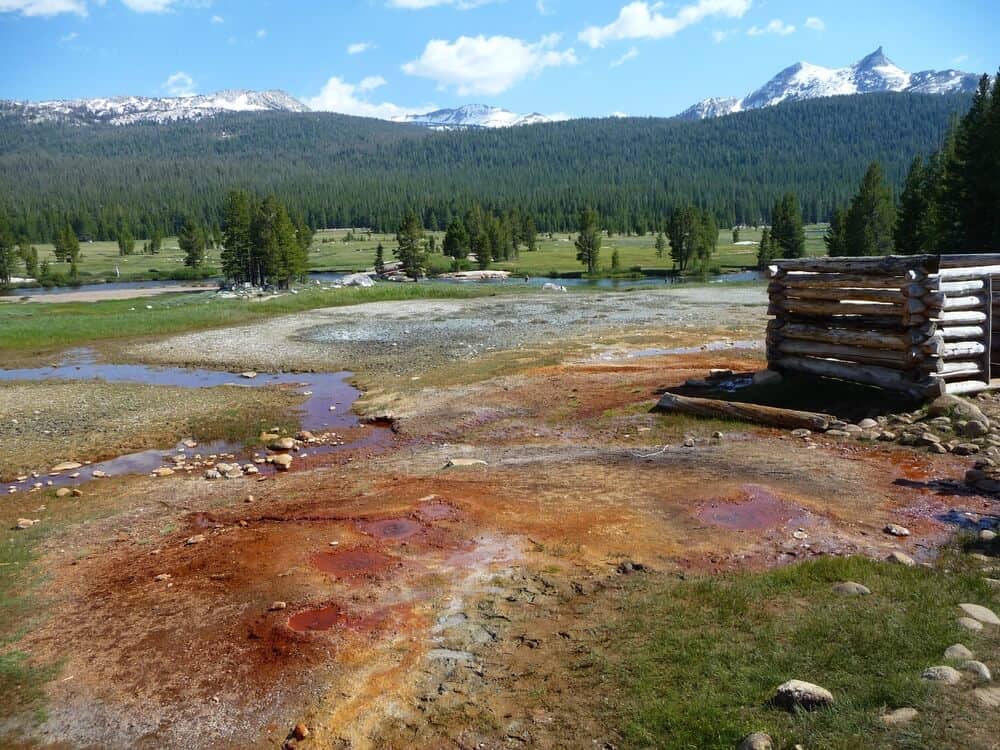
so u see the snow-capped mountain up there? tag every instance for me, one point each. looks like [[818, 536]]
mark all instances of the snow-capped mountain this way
[[876, 72], [473, 116], [126, 110]]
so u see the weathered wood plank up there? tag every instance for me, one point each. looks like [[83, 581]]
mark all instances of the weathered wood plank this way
[[862, 355], [962, 316], [951, 333], [766, 415], [887, 265], [882, 377], [966, 386], [967, 273], [824, 308], [959, 288], [963, 303], [960, 260], [842, 281], [845, 336], [962, 349], [891, 296]]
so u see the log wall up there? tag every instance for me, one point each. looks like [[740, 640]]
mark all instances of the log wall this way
[[906, 323]]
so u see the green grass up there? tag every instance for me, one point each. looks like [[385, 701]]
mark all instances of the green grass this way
[[695, 662], [25, 327]]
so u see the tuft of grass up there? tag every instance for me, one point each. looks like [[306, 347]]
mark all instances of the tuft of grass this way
[[695, 662]]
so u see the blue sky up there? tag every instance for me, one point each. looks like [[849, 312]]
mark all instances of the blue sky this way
[[385, 57]]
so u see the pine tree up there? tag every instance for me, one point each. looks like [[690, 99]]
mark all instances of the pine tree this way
[[480, 244], [236, 260], [910, 234], [126, 242], [530, 234], [29, 256], [616, 261], [380, 259], [660, 244], [680, 231], [836, 234], [456, 240], [410, 240], [7, 251], [191, 240], [588, 240], [871, 217], [765, 251], [787, 231], [736, 235]]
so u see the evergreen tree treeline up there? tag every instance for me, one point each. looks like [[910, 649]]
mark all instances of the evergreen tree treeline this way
[[261, 243]]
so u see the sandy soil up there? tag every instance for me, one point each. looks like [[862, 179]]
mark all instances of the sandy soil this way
[[450, 592], [98, 295]]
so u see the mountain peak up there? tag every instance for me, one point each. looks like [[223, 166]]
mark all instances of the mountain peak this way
[[473, 116], [803, 80]]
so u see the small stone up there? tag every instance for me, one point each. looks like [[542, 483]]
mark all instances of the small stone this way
[[947, 675], [901, 558], [277, 606], [249, 374], [282, 462], [301, 731], [899, 716], [76, 493], [988, 697], [800, 534], [800, 433], [63, 492], [965, 449], [896, 530], [756, 741], [717, 435], [98, 474], [928, 438], [838, 433], [459, 462], [969, 624], [981, 613], [65, 466], [851, 588], [689, 442], [868, 424], [987, 535], [977, 669], [937, 448], [887, 436], [282, 444], [212, 474], [799, 694], [957, 652], [163, 471], [24, 523], [189, 443], [974, 429], [196, 539], [162, 577], [852, 429]]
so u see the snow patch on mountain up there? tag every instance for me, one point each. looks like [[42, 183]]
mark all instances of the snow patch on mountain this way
[[128, 110], [872, 73], [473, 116]]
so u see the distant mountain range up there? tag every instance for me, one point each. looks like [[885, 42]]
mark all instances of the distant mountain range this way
[[128, 110], [872, 73]]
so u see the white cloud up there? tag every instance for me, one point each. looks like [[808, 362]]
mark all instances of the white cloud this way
[[487, 65], [619, 115], [719, 36], [218, 19], [544, 9], [640, 20], [148, 6], [421, 4], [371, 83], [338, 95], [261, 33], [776, 26], [814, 23], [959, 60], [630, 55], [67, 38], [179, 84], [43, 7], [358, 47]]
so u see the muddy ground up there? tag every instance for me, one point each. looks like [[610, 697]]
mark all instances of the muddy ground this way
[[387, 599]]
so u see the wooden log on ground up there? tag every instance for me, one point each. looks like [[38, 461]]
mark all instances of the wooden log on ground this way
[[825, 308], [961, 349], [770, 416], [888, 358], [966, 386], [891, 296], [952, 333], [883, 377], [846, 336], [888, 265], [841, 281]]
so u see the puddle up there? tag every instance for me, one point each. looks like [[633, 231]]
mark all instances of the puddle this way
[[331, 617], [391, 529], [327, 408], [352, 563], [756, 509]]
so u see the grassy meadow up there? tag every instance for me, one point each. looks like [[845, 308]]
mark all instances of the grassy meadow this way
[[556, 255]]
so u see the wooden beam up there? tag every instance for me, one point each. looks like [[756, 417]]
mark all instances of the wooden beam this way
[[841, 281], [888, 358], [765, 415], [962, 316], [951, 333], [846, 336], [966, 386], [825, 308], [959, 288], [962, 303], [882, 377], [963, 349], [967, 272], [891, 296], [888, 265]]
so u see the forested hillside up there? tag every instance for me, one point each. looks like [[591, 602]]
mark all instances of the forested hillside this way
[[338, 170]]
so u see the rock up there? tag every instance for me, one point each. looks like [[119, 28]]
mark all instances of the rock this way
[[98, 474], [689, 442], [276, 607], [800, 433], [63, 492], [756, 741], [282, 462], [267, 437], [799, 694], [459, 462], [196, 539], [189, 443], [24, 523], [980, 613], [979, 670], [993, 583], [251, 469], [956, 408], [887, 436], [281, 444], [76, 493], [65, 466], [899, 716], [986, 535], [301, 731], [928, 439], [358, 279], [988, 697], [851, 588], [969, 624], [163, 471], [162, 577], [947, 675], [965, 449], [837, 433], [305, 436], [957, 652], [901, 558], [212, 474], [896, 530], [249, 374], [974, 429], [717, 435], [852, 429], [868, 424]]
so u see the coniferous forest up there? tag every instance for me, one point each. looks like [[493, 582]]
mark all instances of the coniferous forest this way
[[334, 170]]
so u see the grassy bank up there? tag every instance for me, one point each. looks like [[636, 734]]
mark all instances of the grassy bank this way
[[34, 327], [695, 662]]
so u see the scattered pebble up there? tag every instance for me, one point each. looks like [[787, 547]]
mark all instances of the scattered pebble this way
[[980, 613], [799, 694], [756, 741], [947, 675], [977, 668], [901, 558], [896, 530], [277, 606], [196, 539]]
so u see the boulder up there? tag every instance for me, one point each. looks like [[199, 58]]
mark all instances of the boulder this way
[[965, 449], [980, 613], [958, 408], [282, 462], [896, 530], [900, 558], [868, 424], [947, 675], [977, 669], [281, 444], [957, 652], [987, 535], [163, 471], [63, 492], [799, 694], [756, 741], [969, 624], [851, 588], [973, 429], [358, 279], [988, 697], [249, 374], [65, 466], [899, 716]]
